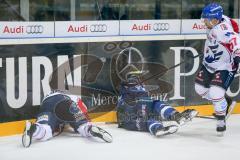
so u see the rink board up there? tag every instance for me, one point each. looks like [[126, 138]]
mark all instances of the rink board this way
[[21, 93], [17, 127]]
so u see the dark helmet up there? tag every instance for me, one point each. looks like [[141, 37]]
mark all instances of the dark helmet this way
[[133, 77]]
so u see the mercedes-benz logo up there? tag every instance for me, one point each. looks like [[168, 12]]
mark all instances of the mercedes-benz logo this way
[[161, 26], [34, 29], [129, 59], [98, 28]]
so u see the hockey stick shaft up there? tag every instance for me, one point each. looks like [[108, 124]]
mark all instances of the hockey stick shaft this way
[[231, 107], [206, 117], [162, 73]]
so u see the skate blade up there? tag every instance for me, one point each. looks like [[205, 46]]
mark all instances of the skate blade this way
[[171, 130], [184, 120], [231, 107], [220, 134], [26, 140], [194, 114], [169, 123], [107, 137], [102, 134]]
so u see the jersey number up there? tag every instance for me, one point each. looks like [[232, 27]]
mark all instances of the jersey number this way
[[233, 42]]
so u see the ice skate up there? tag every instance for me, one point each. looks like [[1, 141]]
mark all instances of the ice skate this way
[[100, 133], [27, 134], [185, 116], [166, 130], [221, 125]]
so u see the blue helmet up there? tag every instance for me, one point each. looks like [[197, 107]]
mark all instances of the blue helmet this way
[[212, 11]]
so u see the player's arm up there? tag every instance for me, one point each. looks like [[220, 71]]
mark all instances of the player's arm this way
[[234, 25], [235, 44], [225, 35]]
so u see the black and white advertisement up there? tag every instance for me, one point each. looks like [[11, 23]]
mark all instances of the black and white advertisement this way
[[95, 70]]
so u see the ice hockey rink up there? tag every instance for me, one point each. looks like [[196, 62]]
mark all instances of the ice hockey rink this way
[[196, 140]]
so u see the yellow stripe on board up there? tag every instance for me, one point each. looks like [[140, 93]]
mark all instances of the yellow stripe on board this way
[[11, 128], [17, 127]]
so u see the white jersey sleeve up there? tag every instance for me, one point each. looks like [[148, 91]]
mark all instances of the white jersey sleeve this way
[[225, 35]]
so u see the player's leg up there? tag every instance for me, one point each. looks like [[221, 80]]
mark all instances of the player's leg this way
[[185, 116], [151, 125], [219, 85], [46, 122], [167, 112], [202, 83], [202, 91], [164, 110], [157, 128], [41, 130], [87, 129], [220, 106], [140, 118]]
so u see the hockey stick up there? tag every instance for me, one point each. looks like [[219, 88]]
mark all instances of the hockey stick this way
[[230, 110], [162, 73], [205, 117]]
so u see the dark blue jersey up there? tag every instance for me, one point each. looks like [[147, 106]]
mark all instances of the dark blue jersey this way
[[135, 109]]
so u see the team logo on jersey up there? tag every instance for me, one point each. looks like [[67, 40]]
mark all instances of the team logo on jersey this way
[[213, 55], [223, 27], [42, 118], [73, 108], [144, 108], [228, 34]]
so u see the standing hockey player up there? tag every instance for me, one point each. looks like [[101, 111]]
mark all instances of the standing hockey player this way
[[137, 112], [56, 110], [220, 62]]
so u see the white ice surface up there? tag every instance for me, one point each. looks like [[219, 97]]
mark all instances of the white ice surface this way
[[194, 141]]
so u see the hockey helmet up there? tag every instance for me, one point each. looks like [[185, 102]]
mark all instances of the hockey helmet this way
[[212, 11], [133, 77]]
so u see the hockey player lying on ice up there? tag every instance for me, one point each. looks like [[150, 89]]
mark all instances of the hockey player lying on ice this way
[[56, 110], [137, 112]]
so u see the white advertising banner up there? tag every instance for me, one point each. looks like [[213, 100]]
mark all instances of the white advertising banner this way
[[26, 29], [86, 28], [193, 26], [149, 27]]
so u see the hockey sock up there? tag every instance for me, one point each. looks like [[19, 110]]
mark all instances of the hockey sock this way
[[83, 129], [43, 132]]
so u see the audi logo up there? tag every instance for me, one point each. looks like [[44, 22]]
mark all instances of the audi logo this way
[[34, 29], [98, 28], [161, 26]]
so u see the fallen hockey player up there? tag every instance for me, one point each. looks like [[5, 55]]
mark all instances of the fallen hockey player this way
[[137, 112], [56, 110]]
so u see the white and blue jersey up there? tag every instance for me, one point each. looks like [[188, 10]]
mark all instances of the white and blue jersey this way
[[222, 41]]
